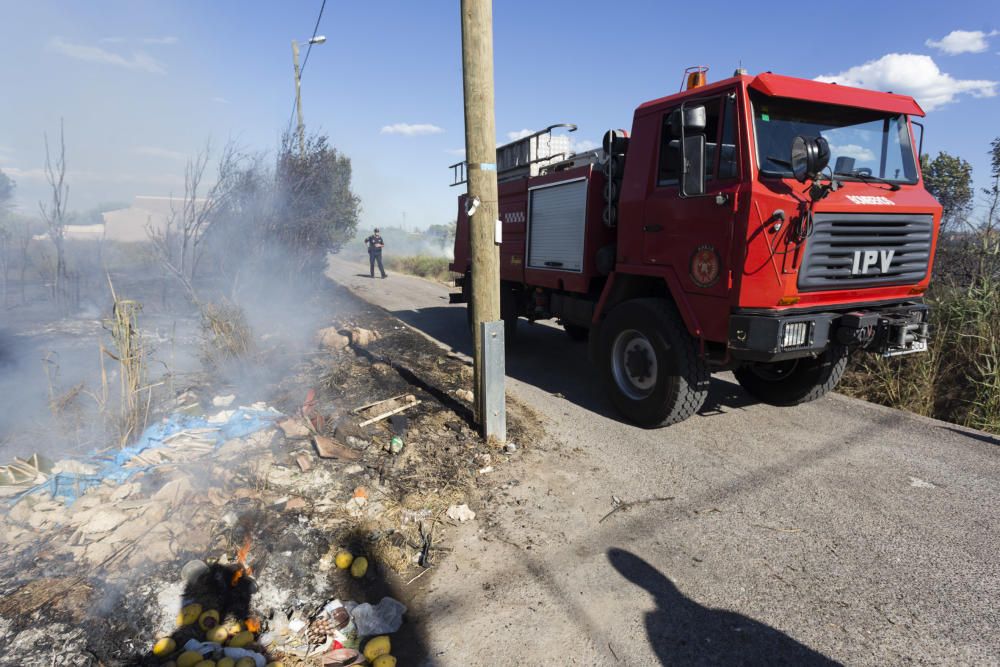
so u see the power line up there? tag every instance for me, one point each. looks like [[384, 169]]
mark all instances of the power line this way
[[305, 61]]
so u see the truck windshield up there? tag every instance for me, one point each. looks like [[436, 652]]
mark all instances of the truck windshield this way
[[863, 143]]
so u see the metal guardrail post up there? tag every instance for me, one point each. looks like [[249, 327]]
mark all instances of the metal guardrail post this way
[[494, 407]]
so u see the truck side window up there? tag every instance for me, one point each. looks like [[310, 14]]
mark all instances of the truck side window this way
[[727, 149], [720, 143], [670, 155]]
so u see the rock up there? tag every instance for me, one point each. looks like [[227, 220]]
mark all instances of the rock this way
[[461, 513], [73, 466], [174, 491], [465, 395], [332, 339], [128, 531], [221, 417], [124, 491], [510, 447], [295, 504], [294, 427], [362, 337], [354, 469], [223, 401], [104, 520]]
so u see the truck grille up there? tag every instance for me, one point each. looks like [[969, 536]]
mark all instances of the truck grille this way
[[835, 255]]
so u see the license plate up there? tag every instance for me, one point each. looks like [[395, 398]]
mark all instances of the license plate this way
[[917, 346]]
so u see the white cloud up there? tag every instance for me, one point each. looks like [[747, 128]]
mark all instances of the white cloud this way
[[166, 40], [853, 150], [155, 151], [963, 41], [520, 134], [582, 145], [915, 75], [95, 54], [411, 129]]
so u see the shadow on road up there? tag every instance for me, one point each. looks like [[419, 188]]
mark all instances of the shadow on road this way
[[545, 357], [683, 632]]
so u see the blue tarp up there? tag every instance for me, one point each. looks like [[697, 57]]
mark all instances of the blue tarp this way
[[71, 486]]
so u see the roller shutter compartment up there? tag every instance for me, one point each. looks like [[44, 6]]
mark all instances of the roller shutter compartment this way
[[557, 216]]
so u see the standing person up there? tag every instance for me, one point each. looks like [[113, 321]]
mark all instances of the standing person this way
[[375, 244]]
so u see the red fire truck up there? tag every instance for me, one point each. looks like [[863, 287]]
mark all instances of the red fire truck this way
[[767, 225]]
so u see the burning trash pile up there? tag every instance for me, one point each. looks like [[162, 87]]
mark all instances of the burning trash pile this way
[[217, 627], [234, 531]]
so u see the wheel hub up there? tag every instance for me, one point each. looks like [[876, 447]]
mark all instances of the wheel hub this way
[[634, 364]]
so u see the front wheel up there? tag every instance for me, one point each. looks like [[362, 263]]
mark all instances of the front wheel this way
[[651, 365], [793, 381]]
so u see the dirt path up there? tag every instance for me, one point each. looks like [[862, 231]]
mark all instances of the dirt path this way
[[837, 531]]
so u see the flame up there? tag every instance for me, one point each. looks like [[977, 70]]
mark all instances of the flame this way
[[253, 625], [241, 558]]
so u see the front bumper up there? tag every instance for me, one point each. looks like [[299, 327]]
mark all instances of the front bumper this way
[[888, 331]]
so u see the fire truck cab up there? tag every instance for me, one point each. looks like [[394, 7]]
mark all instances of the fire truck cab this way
[[764, 224]]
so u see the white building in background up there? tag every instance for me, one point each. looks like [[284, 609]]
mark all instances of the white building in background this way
[[129, 224]]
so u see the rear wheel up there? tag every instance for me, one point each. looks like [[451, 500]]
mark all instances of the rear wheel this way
[[651, 365], [508, 313], [793, 381]]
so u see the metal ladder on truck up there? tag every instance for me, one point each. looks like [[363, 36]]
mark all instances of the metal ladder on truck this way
[[524, 157]]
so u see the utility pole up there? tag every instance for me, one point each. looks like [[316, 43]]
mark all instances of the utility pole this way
[[480, 156], [298, 99]]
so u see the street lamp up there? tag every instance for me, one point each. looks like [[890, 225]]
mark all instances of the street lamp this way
[[318, 39]]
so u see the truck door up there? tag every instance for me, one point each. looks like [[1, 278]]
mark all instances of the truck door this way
[[693, 234]]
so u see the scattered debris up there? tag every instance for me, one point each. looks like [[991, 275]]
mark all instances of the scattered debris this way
[[386, 408], [223, 401], [332, 339], [465, 395], [461, 513], [620, 505], [327, 448], [294, 427], [382, 619], [362, 337]]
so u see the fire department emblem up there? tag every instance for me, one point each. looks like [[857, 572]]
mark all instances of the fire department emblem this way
[[705, 265]]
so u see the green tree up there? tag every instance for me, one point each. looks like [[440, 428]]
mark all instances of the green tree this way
[[949, 179], [317, 212]]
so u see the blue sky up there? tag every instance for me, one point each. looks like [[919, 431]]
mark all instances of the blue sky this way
[[142, 85]]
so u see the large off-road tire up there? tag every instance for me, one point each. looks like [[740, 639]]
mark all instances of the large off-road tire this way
[[793, 381], [650, 363]]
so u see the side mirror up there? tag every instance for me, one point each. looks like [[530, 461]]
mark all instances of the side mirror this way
[[693, 166], [694, 120], [810, 156]]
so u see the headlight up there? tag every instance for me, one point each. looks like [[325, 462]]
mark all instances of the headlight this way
[[795, 334]]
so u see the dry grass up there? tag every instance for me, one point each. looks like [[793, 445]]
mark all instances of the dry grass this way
[[958, 380], [434, 268], [128, 352], [228, 336]]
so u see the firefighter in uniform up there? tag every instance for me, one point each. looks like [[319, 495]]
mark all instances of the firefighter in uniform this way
[[375, 244]]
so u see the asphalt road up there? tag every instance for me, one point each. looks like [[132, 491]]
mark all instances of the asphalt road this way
[[834, 532]]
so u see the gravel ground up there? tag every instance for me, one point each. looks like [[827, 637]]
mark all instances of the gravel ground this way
[[837, 531]]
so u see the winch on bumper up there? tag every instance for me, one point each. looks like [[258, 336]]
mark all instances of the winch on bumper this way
[[889, 331]]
